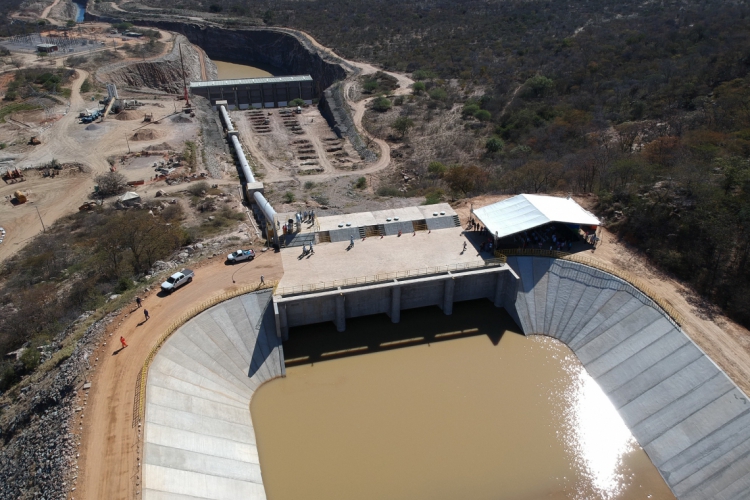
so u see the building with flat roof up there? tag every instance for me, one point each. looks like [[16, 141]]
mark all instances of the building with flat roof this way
[[46, 47], [245, 93]]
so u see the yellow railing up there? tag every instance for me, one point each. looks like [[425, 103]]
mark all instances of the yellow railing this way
[[141, 390], [602, 266], [381, 278]]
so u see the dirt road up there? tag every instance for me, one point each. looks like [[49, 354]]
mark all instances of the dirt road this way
[[46, 10], [108, 463]]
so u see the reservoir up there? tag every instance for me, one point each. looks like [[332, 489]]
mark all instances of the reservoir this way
[[442, 407], [231, 71]]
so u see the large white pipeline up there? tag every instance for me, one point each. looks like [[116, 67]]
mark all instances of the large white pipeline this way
[[244, 165], [261, 200], [225, 116]]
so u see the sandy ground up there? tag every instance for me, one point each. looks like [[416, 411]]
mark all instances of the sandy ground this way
[[109, 442], [66, 140], [723, 340]]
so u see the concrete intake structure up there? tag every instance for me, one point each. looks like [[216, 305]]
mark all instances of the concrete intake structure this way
[[689, 417]]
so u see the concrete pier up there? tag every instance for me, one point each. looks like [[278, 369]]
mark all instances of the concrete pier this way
[[199, 440], [689, 417]]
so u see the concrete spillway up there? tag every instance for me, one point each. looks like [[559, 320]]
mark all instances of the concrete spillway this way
[[691, 419], [199, 440]]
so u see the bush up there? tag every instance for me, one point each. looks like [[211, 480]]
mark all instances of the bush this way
[[418, 87], [470, 109], [439, 94], [436, 168], [309, 185], [86, 86], [111, 183], [123, 284], [30, 358], [370, 86], [381, 104], [361, 183], [297, 102], [10, 96], [423, 74], [198, 188], [8, 376], [214, 7], [433, 196], [494, 145], [483, 115], [389, 191], [173, 213], [289, 197]]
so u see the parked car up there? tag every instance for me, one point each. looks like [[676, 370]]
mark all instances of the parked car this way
[[240, 255], [177, 280]]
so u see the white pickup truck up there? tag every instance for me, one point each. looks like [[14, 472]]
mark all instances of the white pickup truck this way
[[177, 280]]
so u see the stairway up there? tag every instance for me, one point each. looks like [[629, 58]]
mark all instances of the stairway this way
[[456, 221], [419, 225], [324, 237]]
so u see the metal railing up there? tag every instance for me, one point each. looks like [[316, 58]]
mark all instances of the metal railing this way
[[638, 283], [382, 278], [143, 375]]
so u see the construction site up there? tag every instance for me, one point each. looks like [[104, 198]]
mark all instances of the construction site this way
[[283, 166]]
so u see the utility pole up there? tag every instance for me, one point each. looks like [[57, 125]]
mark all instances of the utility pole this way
[[126, 140], [44, 229], [184, 82]]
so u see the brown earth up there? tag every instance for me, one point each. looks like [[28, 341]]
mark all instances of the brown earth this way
[[109, 456], [129, 114], [147, 134]]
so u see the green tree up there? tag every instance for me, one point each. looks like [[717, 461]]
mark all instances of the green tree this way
[[402, 124], [381, 104], [538, 86], [110, 183], [361, 183]]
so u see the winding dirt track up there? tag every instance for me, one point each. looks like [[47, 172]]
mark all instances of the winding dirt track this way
[[108, 464]]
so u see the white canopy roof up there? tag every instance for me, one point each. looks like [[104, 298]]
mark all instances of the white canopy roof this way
[[130, 195], [527, 211]]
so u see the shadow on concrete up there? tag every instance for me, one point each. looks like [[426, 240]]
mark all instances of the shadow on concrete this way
[[266, 340], [371, 334]]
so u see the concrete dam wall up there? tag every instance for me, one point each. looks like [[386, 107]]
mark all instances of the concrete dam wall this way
[[199, 440], [691, 419]]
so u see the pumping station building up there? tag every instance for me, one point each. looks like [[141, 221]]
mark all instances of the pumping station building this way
[[246, 93]]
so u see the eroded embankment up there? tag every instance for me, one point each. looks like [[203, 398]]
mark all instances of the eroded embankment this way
[[161, 73]]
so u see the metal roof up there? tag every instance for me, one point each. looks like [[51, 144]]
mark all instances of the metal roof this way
[[252, 81], [527, 211]]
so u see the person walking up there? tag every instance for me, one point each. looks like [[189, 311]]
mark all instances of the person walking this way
[[145, 313], [122, 341], [262, 280], [351, 241], [464, 246], [138, 301], [311, 248]]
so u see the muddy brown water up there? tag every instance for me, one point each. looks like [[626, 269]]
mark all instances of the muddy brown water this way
[[230, 71], [439, 408]]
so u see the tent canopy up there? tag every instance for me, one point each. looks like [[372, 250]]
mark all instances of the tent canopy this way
[[527, 211], [130, 196]]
